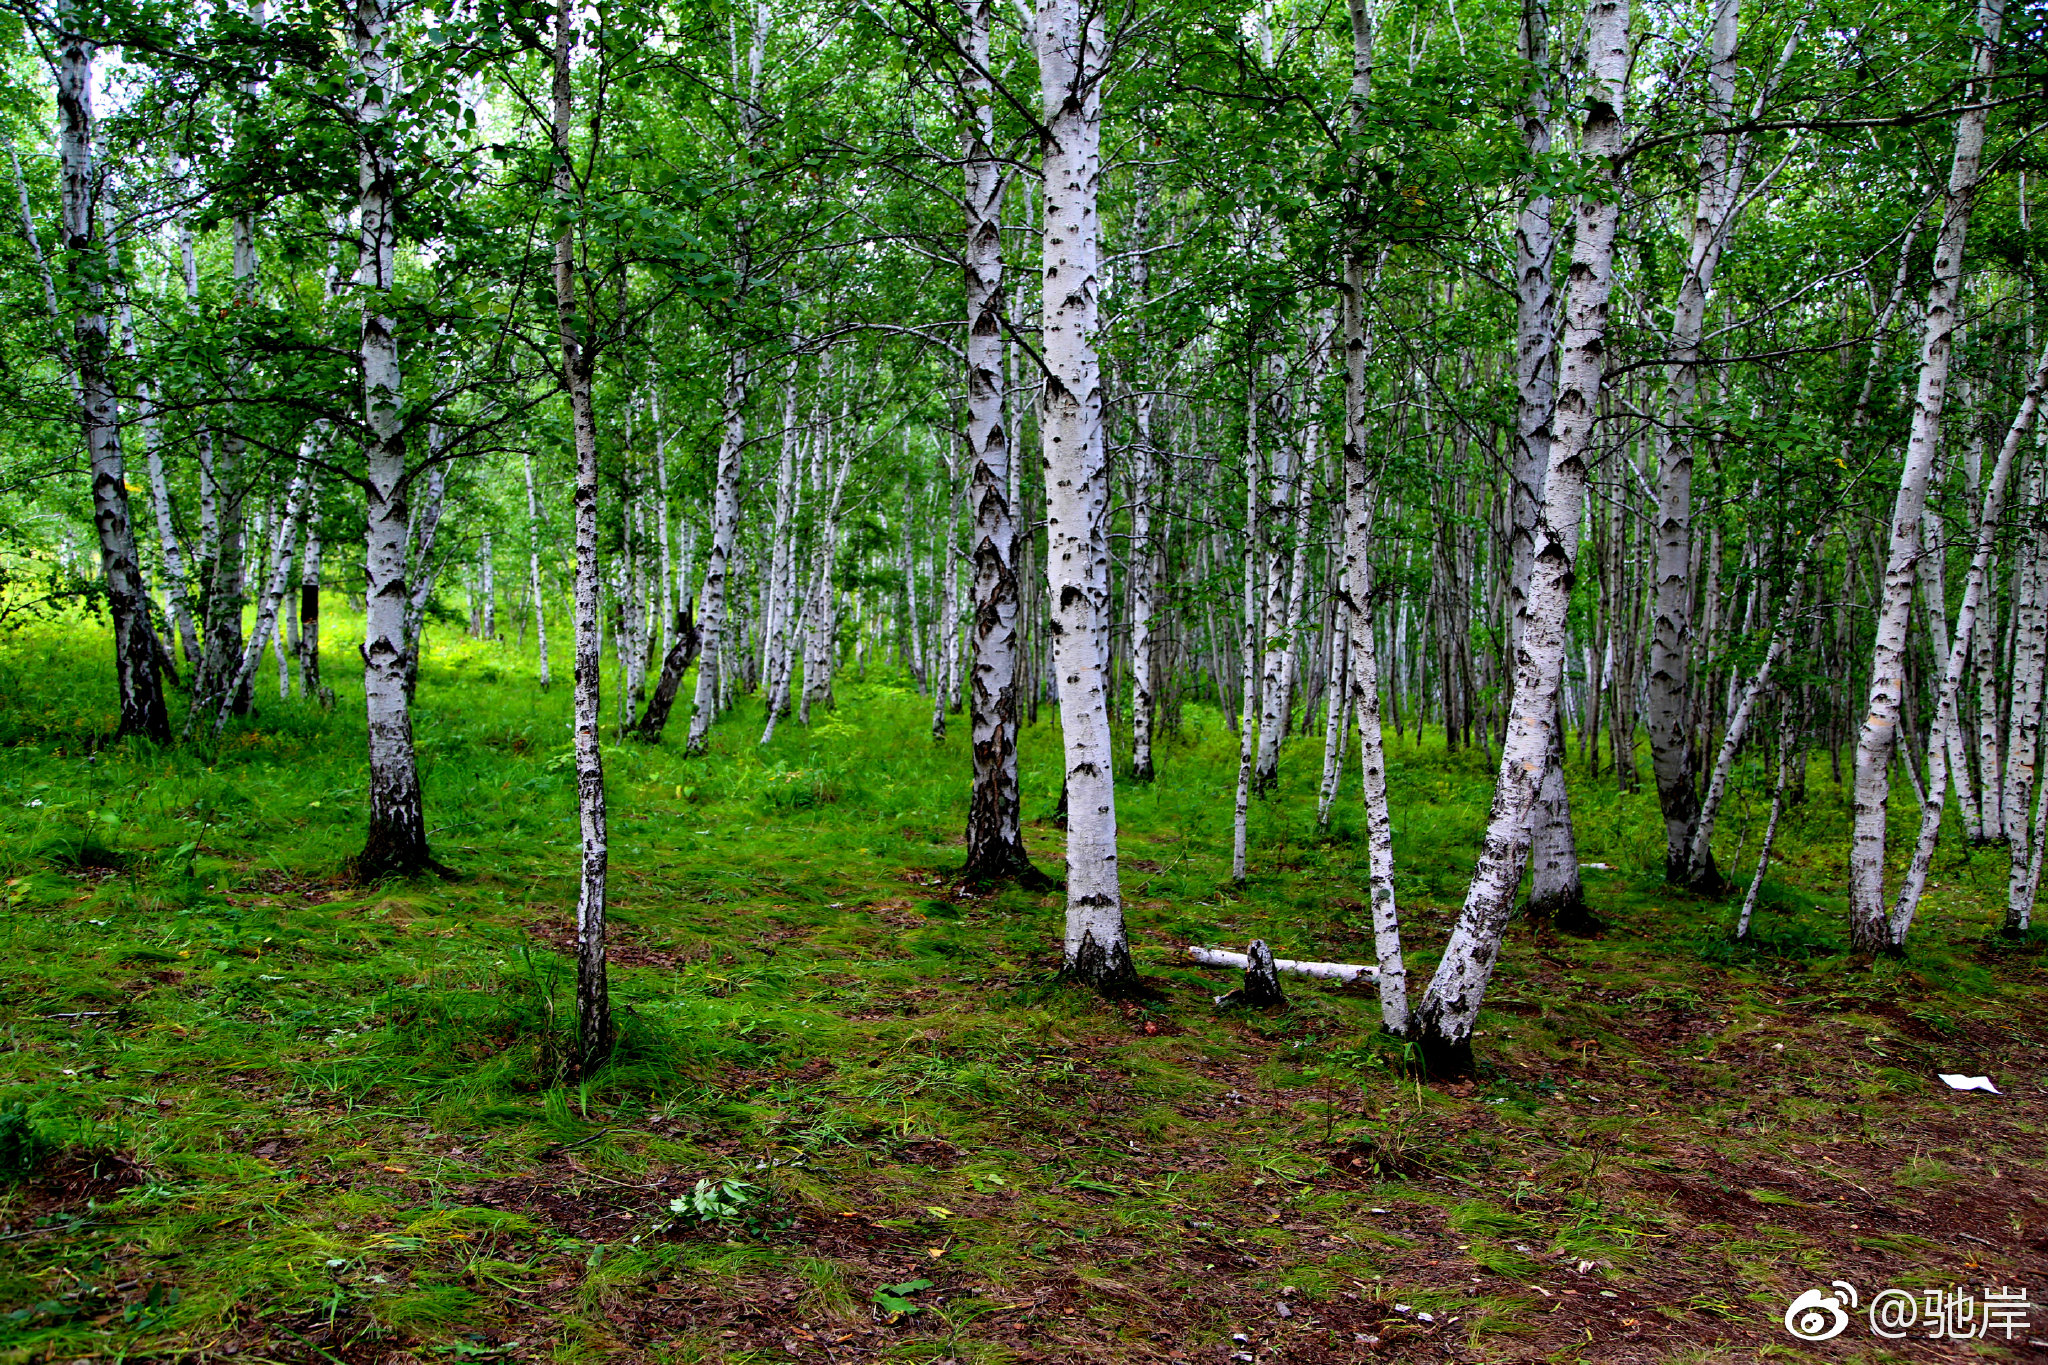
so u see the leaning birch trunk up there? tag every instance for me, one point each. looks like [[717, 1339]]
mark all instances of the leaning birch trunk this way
[[397, 837], [1555, 891], [423, 566], [1077, 484], [725, 515], [1321, 338], [1869, 924], [1337, 715], [1144, 481], [682, 652], [1737, 730], [276, 581], [1450, 1007], [995, 838], [139, 684], [1668, 708], [1363, 665], [533, 588], [1763, 857], [593, 1005], [1940, 751]]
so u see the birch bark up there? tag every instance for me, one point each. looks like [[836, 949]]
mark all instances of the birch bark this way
[[995, 839], [533, 584], [137, 680], [593, 1005], [1070, 63], [1450, 1007], [1668, 707], [1555, 892], [1877, 739], [1955, 661], [397, 837], [779, 627], [1249, 634], [725, 515], [277, 578]]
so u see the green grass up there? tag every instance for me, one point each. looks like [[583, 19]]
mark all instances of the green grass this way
[[243, 1103]]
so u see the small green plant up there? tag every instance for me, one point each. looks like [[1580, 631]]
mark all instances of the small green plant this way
[[726, 1199], [894, 1299]]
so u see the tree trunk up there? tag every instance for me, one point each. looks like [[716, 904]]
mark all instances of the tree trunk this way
[[684, 642], [1249, 636], [310, 684], [137, 680], [1450, 1008], [1077, 484], [275, 583], [533, 585], [593, 1005], [397, 839], [995, 839], [725, 516], [1869, 924], [1555, 892], [1941, 754]]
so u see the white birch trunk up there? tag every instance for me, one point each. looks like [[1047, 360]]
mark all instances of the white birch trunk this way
[[397, 836], [725, 515], [778, 626], [593, 1004], [1668, 695], [137, 680], [1450, 1007], [1555, 892], [533, 583], [1070, 58], [276, 579], [1941, 757], [1869, 924], [995, 839], [1248, 649]]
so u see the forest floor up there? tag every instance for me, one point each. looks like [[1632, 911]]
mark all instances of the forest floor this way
[[250, 1112]]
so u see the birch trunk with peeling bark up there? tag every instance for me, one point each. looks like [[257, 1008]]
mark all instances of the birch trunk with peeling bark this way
[[995, 838], [1555, 892], [137, 679], [1450, 1007], [1070, 61], [1877, 739], [397, 839]]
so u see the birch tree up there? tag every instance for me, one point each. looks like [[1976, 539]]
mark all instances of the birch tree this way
[[1070, 65]]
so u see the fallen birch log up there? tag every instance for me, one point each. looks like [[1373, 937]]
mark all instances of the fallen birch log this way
[[1327, 971]]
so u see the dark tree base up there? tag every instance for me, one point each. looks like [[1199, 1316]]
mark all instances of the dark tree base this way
[[1013, 866], [1443, 1058], [1108, 970], [1567, 914], [387, 855]]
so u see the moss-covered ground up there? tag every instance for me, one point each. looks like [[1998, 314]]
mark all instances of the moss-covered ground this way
[[252, 1112]]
